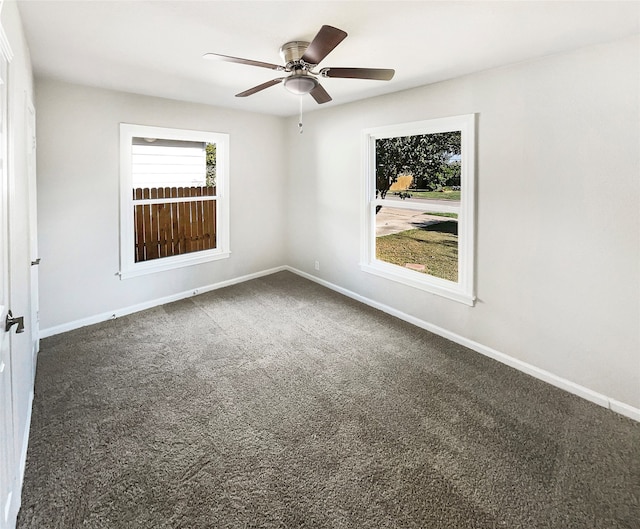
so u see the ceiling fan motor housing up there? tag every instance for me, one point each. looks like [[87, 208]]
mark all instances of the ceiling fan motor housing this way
[[292, 52], [299, 82]]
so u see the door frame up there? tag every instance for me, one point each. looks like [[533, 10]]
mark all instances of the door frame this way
[[30, 142]]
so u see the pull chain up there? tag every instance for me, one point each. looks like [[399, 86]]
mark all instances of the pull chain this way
[[300, 119]]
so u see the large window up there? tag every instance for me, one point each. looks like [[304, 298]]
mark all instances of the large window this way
[[418, 210], [174, 198]]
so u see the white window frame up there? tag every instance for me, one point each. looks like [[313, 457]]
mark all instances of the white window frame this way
[[463, 290], [128, 267]]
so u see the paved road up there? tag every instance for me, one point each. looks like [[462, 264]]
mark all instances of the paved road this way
[[395, 220], [454, 203]]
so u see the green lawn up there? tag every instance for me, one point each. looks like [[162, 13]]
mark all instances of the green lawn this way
[[435, 247], [436, 195], [440, 214]]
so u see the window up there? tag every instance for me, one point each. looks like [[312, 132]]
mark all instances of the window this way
[[418, 209], [173, 198]]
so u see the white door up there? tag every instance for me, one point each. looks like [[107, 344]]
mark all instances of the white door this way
[[7, 438], [33, 227], [8, 470], [7, 455], [16, 357]]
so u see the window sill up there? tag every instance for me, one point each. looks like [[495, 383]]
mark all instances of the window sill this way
[[439, 287], [171, 263]]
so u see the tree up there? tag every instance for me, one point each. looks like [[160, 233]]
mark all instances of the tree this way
[[211, 165], [450, 173], [430, 158]]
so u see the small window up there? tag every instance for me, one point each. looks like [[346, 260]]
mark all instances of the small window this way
[[419, 205], [174, 199]]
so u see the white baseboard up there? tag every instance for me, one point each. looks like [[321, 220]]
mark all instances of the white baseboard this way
[[546, 376], [116, 313], [624, 409]]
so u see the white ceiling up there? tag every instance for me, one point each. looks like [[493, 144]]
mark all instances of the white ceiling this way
[[155, 47]]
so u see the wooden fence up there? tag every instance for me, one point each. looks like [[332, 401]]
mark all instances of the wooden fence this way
[[174, 227]]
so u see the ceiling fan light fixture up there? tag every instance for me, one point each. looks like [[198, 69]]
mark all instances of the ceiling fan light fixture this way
[[300, 84]]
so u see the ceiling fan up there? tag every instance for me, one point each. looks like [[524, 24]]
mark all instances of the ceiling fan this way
[[300, 59]]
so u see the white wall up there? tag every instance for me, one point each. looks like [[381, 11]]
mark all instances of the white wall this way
[[78, 182], [558, 239]]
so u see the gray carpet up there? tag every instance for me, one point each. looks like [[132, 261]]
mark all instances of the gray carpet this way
[[277, 403]]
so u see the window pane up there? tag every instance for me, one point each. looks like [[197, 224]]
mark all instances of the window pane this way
[[174, 228], [173, 169], [424, 242], [157, 162], [419, 167]]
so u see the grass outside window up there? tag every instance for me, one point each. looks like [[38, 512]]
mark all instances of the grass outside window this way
[[434, 247]]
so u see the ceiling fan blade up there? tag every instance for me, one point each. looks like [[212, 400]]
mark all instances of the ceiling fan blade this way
[[227, 58], [320, 94], [326, 40], [378, 74], [260, 87]]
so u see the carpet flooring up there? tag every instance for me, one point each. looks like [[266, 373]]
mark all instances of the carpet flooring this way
[[277, 403]]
